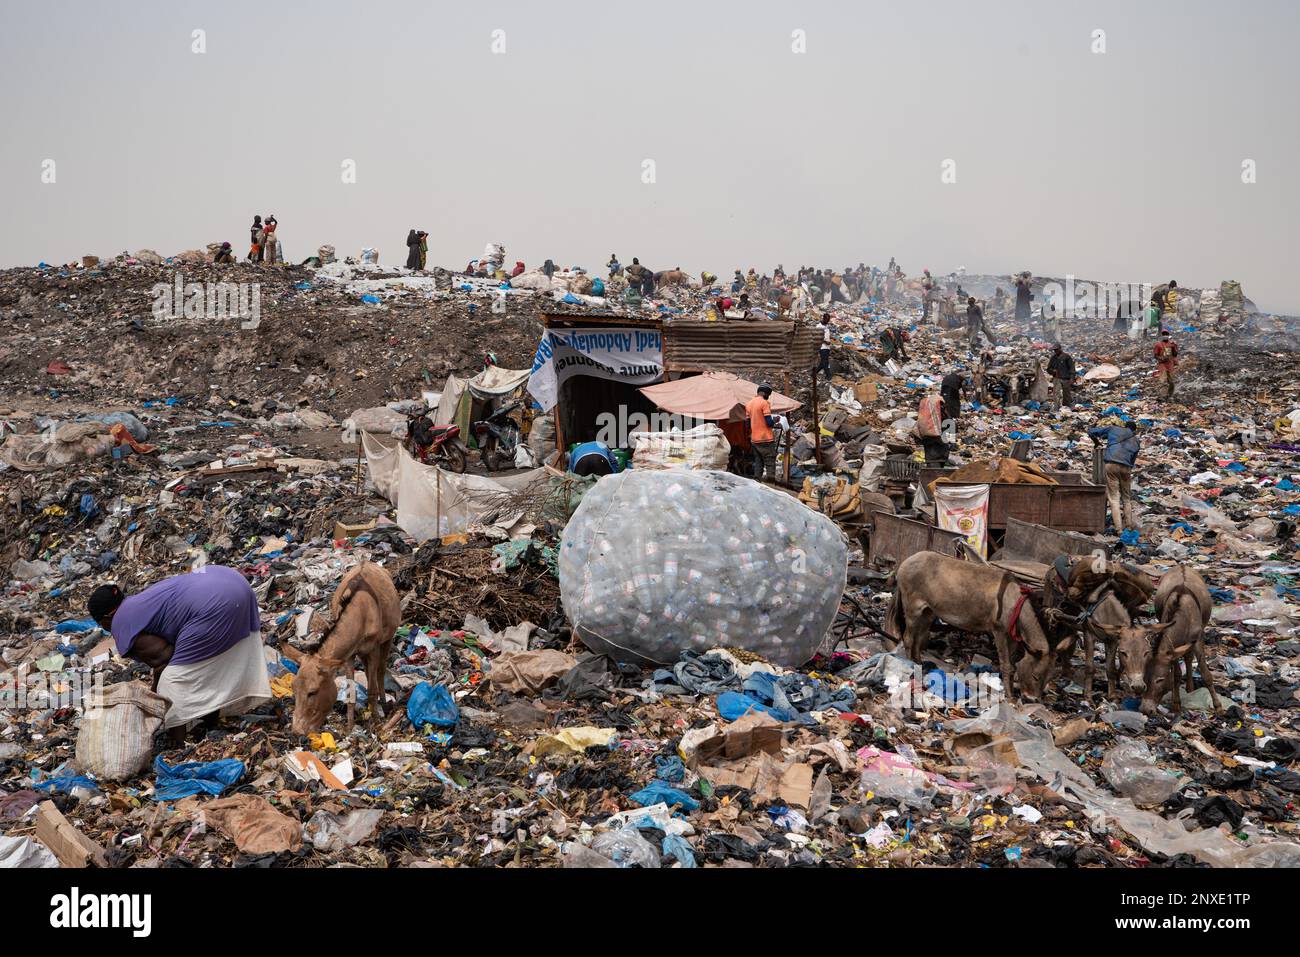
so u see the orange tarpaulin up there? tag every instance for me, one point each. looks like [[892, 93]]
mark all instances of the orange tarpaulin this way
[[716, 396]]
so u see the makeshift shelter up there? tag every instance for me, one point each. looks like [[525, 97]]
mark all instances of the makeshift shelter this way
[[593, 366], [468, 400], [433, 503]]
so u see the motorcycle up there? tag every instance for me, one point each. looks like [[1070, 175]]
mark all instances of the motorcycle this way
[[440, 443], [498, 438]]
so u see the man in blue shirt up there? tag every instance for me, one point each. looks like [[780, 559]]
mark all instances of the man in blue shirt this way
[[1121, 454]]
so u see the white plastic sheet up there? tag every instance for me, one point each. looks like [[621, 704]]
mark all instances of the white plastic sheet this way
[[432, 503]]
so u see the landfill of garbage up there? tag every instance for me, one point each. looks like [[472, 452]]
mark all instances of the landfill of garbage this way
[[538, 713]]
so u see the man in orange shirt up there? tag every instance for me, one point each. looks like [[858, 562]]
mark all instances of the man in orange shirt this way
[[761, 436], [1166, 353]]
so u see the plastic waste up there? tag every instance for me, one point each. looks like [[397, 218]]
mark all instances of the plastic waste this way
[[733, 705], [1198, 700], [679, 849], [1131, 770], [1266, 607], [579, 855], [626, 848], [27, 852], [657, 562], [658, 816], [1212, 517], [657, 792], [432, 704], [195, 777], [330, 832], [67, 784], [1040, 755], [1133, 720], [908, 789]]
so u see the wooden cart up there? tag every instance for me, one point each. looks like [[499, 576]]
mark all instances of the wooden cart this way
[[1075, 505]]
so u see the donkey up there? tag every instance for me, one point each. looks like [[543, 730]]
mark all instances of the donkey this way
[[1108, 598], [1184, 605], [365, 613], [974, 598]]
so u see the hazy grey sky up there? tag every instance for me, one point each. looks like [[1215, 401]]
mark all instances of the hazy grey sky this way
[[1124, 165]]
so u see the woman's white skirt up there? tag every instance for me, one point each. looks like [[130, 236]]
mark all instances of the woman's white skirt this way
[[233, 682]]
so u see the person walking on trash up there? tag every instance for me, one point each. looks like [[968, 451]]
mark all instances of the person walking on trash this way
[[930, 428], [201, 633], [1166, 353], [256, 236], [413, 249], [1061, 368], [1120, 456], [975, 324], [761, 436], [824, 353]]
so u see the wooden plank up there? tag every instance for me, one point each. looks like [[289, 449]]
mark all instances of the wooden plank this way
[[894, 538], [69, 845], [1037, 543], [1027, 573]]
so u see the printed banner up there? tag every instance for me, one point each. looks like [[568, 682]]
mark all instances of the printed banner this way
[[964, 509], [630, 355]]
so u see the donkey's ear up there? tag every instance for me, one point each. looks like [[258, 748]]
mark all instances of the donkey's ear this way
[[289, 651], [1161, 628]]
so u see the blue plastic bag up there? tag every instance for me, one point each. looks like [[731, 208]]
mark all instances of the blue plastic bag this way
[[669, 769], [64, 784], [676, 845], [947, 687], [733, 705], [432, 704], [657, 792], [195, 777], [75, 626]]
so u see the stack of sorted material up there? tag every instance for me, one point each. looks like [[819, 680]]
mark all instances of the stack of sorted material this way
[[1006, 470]]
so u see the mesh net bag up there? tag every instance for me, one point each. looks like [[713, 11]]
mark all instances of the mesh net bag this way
[[654, 563]]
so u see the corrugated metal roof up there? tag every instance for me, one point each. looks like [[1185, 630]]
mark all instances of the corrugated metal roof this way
[[594, 319], [698, 345]]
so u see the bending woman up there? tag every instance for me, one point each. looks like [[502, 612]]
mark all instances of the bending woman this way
[[202, 635]]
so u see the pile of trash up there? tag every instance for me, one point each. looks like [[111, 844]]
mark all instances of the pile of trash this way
[[537, 716]]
